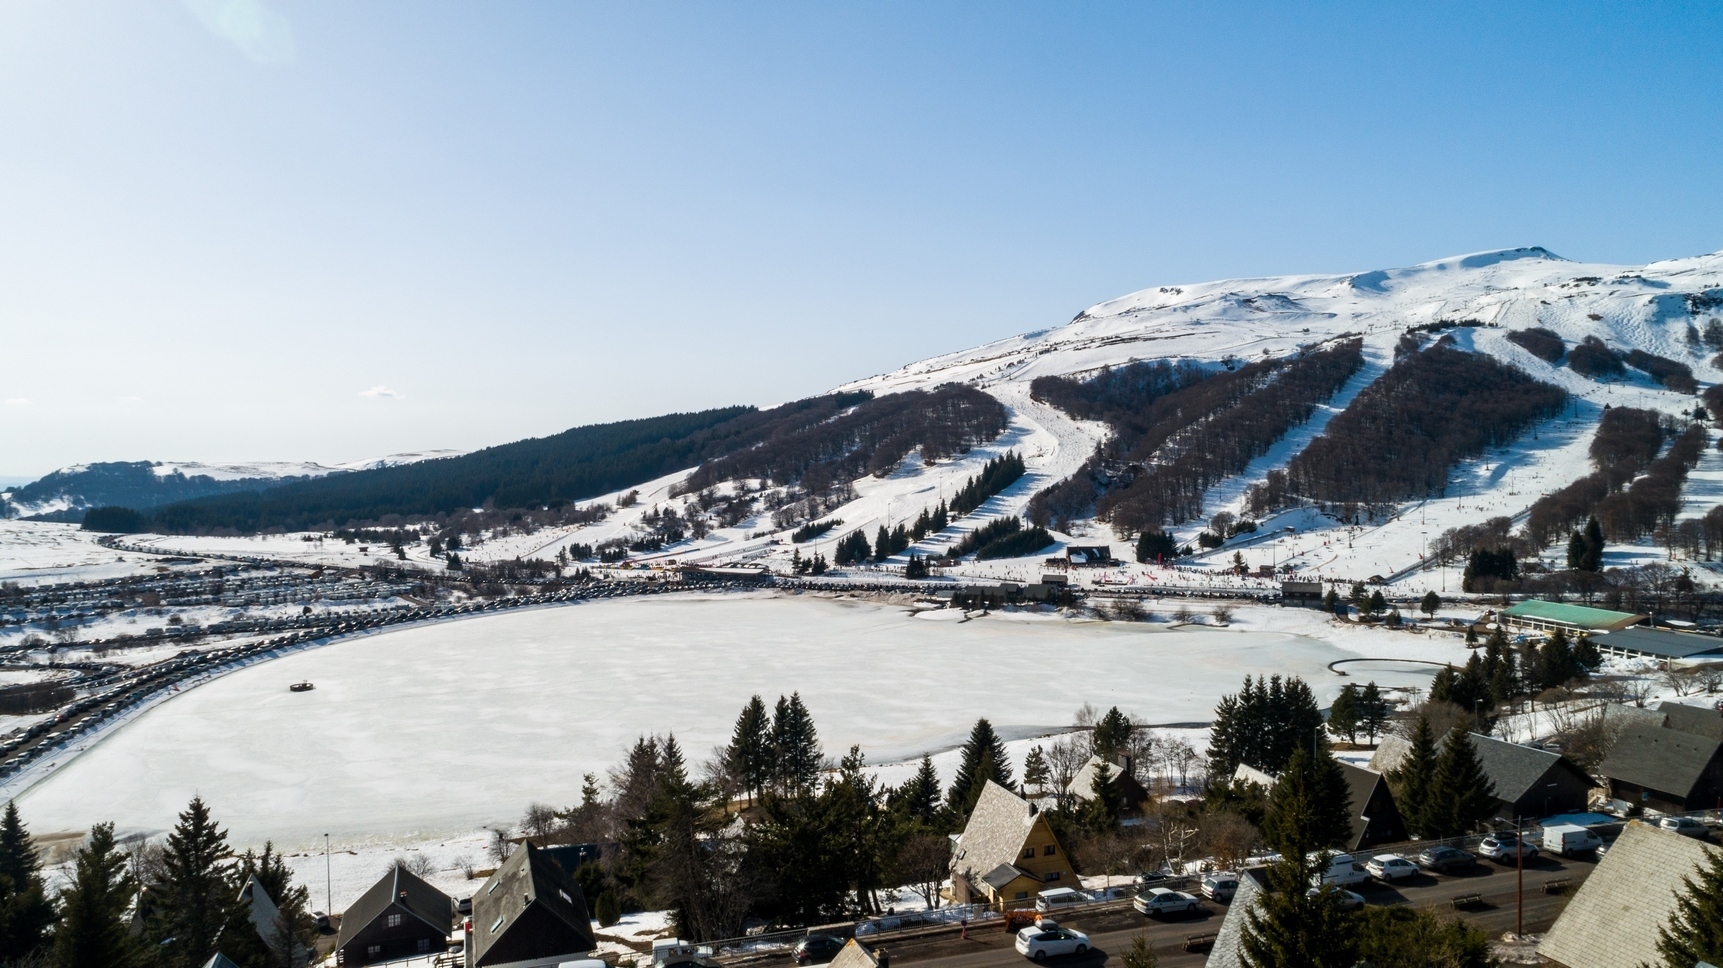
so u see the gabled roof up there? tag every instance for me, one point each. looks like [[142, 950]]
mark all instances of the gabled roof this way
[[219, 960], [1665, 760], [1614, 916], [263, 909], [530, 885], [1389, 752], [995, 833], [1082, 785], [1362, 784], [1228, 951], [400, 885], [855, 955], [1513, 768], [1698, 720], [1004, 874]]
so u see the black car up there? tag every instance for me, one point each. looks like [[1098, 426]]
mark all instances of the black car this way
[[817, 949]]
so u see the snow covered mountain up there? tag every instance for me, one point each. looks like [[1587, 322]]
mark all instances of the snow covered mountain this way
[[68, 492]]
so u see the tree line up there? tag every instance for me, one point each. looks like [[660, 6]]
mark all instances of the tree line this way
[[1626, 441], [1542, 343], [170, 905], [1399, 439]]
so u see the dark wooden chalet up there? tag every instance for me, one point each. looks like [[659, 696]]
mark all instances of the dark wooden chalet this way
[[401, 916], [530, 913]]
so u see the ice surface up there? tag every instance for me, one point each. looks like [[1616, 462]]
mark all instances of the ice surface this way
[[442, 729]]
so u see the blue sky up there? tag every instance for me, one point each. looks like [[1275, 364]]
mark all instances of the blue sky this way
[[251, 229]]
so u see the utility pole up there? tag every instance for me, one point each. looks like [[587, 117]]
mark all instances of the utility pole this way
[[328, 881], [1520, 875]]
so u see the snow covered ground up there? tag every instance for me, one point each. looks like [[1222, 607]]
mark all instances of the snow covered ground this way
[[36, 552], [434, 731]]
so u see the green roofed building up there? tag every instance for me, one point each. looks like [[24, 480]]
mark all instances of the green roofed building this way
[[1548, 616]]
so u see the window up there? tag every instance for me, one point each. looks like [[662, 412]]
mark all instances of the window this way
[[497, 924], [564, 895], [373, 950], [1053, 876], [1021, 896], [1049, 850], [392, 921], [1028, 852], [424, 944]]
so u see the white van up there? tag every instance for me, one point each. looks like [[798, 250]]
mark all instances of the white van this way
[[1342, 871], [1568, 839], [1059, 898]]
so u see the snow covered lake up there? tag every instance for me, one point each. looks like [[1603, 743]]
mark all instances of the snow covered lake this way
[[441, 729]]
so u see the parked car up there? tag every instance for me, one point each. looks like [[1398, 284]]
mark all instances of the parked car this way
[[1504, 847], [1150, 879], [1220, 885], [1685, 826], [1345, 900], [817, 949], [1059, 899], [1161, 900], [1445, 859], [1041, 941], [1568, 839], [1342, 871], [1388, 868]]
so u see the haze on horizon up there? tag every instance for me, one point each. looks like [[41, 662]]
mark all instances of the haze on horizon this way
[[253, 230]]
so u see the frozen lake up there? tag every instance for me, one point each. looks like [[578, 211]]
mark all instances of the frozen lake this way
[[428, 731]]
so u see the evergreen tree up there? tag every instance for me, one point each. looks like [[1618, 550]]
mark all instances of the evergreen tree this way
[[92, 931], [293, 936], [192, 896], [1431, 602], [1262, 724], [1037, 774], [941, 518], [882, 548], [1330, 601], [1308, 812], [1585, 653], [26, 914], [1412, 779], [1593, 560], [749, 755], [1576, 551], [984, 759], [1372, 710], [795, 744], [1461, 795], [1360, 598], [1156, 546], [1378, 604], [1694, 932], [1112, 734], [920, 796], [1557, 661], [1405, 937], [1101, 810], [1345, 715]]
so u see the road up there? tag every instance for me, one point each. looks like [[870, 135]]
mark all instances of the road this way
[[1111, 931]]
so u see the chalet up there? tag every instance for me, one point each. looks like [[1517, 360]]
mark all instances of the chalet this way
[[531, 913], [264, 918], [1007, 852], [1665, 769], [399, 917], [1081, 556], [1132, 794], [1375, 816], [1529, 782], [1304, 593], [1228, 949], [1615, 915], [854, 954], [1540, 616]]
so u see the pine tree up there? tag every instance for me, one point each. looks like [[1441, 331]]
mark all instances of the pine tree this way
[[1413, 777], [920, 796], [25, 911], [1593, 560], [1112, 734], [1372, 710], [1378, 604], [1461, 795], [882, 544], [1156, 546], [984, 759], [1330, 602], [1308, 812], [1309, 808], [293, 936], [1585, 653], [1694, 932], [1101, 810], [1557, 659], [92, 931], [673, 768], [192, 896], [1345, 715], [749, 755], [1037, 774], [795, 744], [1431, 602]]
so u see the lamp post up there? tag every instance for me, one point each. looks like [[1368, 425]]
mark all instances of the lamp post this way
[[1520, 876], [328, 881]]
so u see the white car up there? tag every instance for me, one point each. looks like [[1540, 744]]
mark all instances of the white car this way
[[1161, 900], [1038, 942], [1345, 900], [1504, 847], [1388, 868], [1685, 826], [1220, 885]]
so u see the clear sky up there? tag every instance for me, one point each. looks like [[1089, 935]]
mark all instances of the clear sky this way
[[255, 229]]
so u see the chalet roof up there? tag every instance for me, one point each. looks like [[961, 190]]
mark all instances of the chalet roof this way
[[1513, 768], [1002, 875], [1621, 714], [1614, 916], [1082, 785], [995, 833], [1698, 720], [1361, 784], [1228, 944], [1665, 760], [219, 960], [855, 955], [1389, 752], [418, 898], [263, 909], [530, 879], [1579, 616]]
